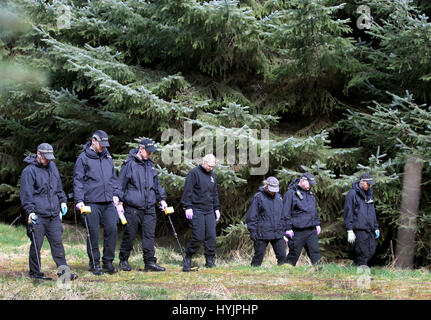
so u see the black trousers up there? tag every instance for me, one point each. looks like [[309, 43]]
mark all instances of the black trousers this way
[[279, 246], [106, 215], [304, 238], [147, 221], [53, 230], [364, 246], [203, 225]]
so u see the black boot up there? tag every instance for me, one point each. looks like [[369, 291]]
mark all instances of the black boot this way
[[109, 268], [124, 265], [187, 265], [210, 262], [317, 266], [97, 270], [153, 266], [39, 276]]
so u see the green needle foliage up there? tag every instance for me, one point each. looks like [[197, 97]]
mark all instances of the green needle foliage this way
[[135, 68], [402, 128]]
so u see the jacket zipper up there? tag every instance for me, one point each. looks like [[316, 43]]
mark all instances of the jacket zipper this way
[[49, 189], [103, 177]]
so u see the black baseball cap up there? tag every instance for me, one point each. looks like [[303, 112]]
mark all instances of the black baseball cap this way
[[308, 176], [101, 137], [148, 145], [368, 178], [46, 151]]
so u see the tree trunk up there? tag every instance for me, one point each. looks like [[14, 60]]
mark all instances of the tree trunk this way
[[405, 244]]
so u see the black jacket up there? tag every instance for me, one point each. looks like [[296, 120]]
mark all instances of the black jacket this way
[[139, 183], [265, 219], [41, 190], [359, 212], [94, 178], [300, 207], [200, 190]]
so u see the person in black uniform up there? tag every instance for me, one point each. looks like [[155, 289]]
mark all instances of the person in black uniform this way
[[43, 200], [95, 185], [141, 190], [303, 223], [202, 207], [267, 222], [360, 220]]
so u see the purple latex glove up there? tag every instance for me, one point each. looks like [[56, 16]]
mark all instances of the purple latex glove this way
[[189, 214], [290, 233], [217, 212], [318, 229], [79, 205], [163, 205]]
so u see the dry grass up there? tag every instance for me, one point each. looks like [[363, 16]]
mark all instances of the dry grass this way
[[232, 279]]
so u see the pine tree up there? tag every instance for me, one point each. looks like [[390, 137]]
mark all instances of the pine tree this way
[[136, 68], [20, 80], [313, 51], [402, 128], [399, 52]]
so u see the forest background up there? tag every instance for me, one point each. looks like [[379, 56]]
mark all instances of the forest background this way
[[342, 86]]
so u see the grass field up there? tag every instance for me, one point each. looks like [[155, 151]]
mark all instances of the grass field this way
[[232, 279]]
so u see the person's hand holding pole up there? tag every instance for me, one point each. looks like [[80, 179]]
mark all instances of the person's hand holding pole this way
[[290, 233]]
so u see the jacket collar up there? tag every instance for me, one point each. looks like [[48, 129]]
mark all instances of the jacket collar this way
[[133, 155], [32, 159], [203, 169], [262, 190], [361, 192], [93, 154], [294, 185]]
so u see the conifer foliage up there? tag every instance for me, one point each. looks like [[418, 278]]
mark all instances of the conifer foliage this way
[[136, 68]]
